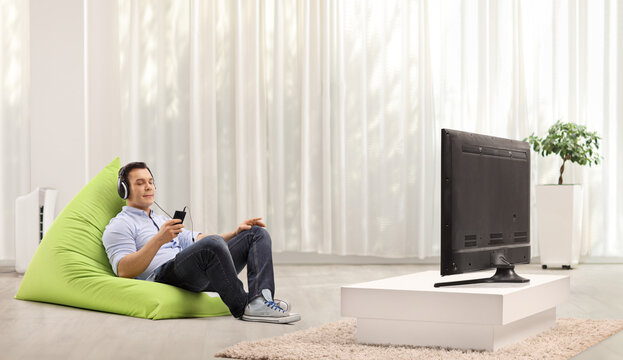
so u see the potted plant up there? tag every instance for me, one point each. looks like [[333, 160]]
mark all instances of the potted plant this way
[[559, 207]]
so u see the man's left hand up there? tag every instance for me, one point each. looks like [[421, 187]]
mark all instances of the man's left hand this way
[[247, 224]]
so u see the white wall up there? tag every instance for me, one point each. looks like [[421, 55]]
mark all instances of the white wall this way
[[103, 85], [74, 133]]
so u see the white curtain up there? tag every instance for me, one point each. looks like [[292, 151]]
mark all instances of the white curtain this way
[[14, 130], [571, 71], [154, 53], [324, 117]]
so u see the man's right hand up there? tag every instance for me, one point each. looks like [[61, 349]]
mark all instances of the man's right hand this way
[[132, 265], [169, 231]]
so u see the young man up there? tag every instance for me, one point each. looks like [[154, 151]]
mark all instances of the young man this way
[[144, 245]]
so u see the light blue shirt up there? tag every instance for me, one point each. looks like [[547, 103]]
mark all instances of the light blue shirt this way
[[131, 229]]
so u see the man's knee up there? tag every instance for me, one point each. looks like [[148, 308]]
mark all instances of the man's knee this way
[[261, 233], [214, 243]]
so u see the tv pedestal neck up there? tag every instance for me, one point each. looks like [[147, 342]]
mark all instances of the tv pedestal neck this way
[[481, 316]]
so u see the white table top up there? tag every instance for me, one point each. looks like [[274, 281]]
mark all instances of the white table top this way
[[423, 281]]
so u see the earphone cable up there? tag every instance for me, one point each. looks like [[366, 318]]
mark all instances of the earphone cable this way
[[192, 226], [171, 217]]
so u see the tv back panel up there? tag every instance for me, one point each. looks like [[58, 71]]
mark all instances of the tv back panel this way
[[485, 202]]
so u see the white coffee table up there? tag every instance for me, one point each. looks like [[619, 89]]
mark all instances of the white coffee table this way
[[408, 310]]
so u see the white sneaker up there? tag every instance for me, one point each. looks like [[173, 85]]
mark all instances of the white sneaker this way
[[264, 309]]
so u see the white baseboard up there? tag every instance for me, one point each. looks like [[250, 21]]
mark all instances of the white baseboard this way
[[7, 266], [601, 260], [299, 258]]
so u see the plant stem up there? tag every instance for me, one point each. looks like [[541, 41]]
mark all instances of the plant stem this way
[[562, 168]]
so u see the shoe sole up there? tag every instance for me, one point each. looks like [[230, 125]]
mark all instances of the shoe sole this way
[[272, 319]]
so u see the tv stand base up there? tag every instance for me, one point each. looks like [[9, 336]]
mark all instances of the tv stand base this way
[[409, 310], [452, 335]]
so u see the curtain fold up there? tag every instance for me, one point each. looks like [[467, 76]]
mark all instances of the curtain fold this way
[[14, 126], [155, 93], [324, 116]]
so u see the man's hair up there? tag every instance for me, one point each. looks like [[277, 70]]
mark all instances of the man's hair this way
[[124, 172]]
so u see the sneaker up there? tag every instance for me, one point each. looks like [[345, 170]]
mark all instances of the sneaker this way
[[264, 309]]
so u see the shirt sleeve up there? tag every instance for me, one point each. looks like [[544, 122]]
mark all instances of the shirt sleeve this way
[[186, 238], [118, 242]]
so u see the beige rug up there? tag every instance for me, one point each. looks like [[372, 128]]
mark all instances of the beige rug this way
[[337, 341]]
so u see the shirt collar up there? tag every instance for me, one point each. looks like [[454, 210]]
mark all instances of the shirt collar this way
[[136, 211]]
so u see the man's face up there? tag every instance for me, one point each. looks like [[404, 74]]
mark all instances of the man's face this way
[[142, 189]]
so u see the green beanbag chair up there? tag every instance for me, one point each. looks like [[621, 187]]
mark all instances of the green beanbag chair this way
[[70, 266]]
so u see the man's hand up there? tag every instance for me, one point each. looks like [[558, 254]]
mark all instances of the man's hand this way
[[247, 224], [169, 230], [132, 265]]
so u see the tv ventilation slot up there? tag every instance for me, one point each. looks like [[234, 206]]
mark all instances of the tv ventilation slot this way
[[496, 238], [520, 236], [470, 241]]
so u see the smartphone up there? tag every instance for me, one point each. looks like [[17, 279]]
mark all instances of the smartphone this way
[[179, 215]]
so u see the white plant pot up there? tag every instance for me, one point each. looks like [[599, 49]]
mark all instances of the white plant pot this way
[[559, 224]]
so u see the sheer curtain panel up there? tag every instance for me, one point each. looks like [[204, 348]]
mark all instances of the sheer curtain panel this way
[[324, 117], [14, 129]]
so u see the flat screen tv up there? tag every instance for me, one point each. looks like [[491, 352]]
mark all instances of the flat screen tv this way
[[485, 206]]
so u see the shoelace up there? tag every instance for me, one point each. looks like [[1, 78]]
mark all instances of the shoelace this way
[[273, 306]]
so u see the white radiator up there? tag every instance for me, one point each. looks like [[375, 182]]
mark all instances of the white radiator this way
[[34, 214]]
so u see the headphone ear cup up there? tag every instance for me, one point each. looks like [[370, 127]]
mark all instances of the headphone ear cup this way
[[122, 189]]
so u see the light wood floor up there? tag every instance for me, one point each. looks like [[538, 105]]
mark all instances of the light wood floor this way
[[30, 330]]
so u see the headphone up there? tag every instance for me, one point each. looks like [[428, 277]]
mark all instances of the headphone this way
[[123, 188]]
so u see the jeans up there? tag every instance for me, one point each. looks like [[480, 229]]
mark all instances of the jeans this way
[[211, 264]]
